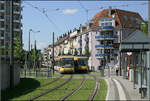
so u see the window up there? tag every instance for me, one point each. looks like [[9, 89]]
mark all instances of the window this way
[[125, 17], [102, 24], [2, 24], [7, 18], [1, 15], [1, 6], [2, 43], [1, 33]]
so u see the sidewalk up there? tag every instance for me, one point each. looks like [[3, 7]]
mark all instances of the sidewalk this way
[[121, 89]]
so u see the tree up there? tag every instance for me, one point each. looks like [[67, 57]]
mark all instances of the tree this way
[[144, 27], [75, 52], [18, 50], [34, 56], [86, 52]]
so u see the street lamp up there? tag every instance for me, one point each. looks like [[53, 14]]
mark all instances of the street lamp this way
[[31, 30]]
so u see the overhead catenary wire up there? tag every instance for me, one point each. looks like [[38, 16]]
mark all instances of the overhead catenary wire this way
[[44, 12]]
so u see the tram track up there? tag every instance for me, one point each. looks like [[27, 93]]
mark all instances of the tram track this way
[[74, 90], [91, 98], [51, 90], [46, 84]]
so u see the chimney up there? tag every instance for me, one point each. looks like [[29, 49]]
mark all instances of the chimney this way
[[109, 11], [80, 28]]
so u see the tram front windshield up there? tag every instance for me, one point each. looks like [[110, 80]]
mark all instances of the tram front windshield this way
[[67, 62], [83, 62]]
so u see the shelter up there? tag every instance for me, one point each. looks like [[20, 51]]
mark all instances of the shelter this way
[[138, 43]]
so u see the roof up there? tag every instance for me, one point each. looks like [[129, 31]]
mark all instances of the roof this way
[[135, 42], [137, 37], [119, 18]]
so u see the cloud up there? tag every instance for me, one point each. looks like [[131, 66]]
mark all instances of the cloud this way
[[70, 11], [41, 45]]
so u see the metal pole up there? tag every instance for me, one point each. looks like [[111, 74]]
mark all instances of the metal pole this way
[[11, 46], [35, 68], [120, 53], [29, 54], [53, 55]]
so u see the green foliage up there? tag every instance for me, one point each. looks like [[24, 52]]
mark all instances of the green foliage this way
[[75, 52], [18, 50], [144, 27], [35, 55], [87, 52], [2, 51]]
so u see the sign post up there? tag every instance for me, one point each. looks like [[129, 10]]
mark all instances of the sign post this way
[[129, 54]]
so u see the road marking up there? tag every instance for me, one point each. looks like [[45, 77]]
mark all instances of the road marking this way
[[120, 90]]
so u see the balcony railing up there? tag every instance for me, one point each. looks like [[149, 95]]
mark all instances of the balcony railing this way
[[79, 41], [86, 39], [79, 49], [106, 37], [104, 28], [102, 55], [102, 46]]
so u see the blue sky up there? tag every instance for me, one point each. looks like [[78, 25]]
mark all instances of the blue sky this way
[[69, 16]]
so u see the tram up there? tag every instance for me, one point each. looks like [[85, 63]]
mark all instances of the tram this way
[[64, 64], [81, 64]]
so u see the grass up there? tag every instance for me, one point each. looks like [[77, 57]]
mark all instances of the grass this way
[[33, 84], [38, 90], [59, 93], [25, 84], [85, 91], [102, 92]]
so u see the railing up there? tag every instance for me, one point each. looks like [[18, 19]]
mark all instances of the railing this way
[[86, 38], [106, 36], [102, 55], [107, 28], [79, 49], [79, 41], [102, 46]]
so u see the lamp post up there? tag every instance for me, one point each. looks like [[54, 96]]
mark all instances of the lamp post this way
[[30, 30]]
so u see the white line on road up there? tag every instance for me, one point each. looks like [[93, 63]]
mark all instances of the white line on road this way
[[120, 90]]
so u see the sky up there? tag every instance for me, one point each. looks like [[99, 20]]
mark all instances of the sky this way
[[63, 16]]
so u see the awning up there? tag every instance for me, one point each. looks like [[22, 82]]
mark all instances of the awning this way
[[135, 42]]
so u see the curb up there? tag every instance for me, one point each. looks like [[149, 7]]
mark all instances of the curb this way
[[108, 89], [122, 93]]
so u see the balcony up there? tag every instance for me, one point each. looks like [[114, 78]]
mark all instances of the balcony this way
[[105, 37], [107, 28], [2, 10], [79, 49], [17, 3], [104, 46], [2, 19], [86, 39], [17, 20], [102, 55], [2, 28], [86, 46], [79, 41], [17, 29]]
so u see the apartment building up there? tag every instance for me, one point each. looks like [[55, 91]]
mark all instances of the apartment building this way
[[102, 36], [5, 24]]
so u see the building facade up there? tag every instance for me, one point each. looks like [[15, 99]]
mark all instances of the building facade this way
[[102, 36], [5, 15]]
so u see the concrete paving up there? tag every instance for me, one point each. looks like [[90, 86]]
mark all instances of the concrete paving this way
[[121, 89]]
